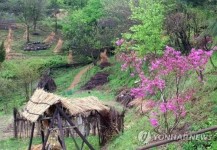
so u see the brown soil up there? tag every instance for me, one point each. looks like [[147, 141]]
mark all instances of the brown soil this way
[[98, 80]]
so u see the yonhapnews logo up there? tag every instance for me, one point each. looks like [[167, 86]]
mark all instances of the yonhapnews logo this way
[[145, 137]]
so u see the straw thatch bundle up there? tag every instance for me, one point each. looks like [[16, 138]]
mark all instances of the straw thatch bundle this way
[[37, 147], [103, 56], [70, 57], [59, 46], [41, 101], [8, 41], [50, 38]]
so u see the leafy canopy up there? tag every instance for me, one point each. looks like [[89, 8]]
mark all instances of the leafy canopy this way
[[82, 24], [148, 32]]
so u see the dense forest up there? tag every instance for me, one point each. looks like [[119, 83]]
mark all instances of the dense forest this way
[[108, 74]]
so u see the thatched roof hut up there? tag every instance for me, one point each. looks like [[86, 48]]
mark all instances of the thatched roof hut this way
[[60, 112], [41, 101]]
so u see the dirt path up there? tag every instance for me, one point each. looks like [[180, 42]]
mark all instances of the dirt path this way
[[77, 78]]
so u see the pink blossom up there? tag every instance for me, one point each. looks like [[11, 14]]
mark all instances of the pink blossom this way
[[132, 74], [151, 103], [154, 122], [171, 106], [171, 64], [119, 42], [183, 113], [163, 107]]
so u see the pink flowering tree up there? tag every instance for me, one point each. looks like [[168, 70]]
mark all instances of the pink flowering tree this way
[[165, 84]]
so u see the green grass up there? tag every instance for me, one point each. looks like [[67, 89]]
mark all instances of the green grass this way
[[22, 144], [201, 114], [64, 77], [16, 144], [134, 124]]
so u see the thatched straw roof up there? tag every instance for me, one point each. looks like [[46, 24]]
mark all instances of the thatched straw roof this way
[[41, 101]]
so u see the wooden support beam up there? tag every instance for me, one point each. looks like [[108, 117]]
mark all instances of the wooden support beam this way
[[32, 134], [15, 122], [42, 132], [48, 132], [76, 129], [61, 131]]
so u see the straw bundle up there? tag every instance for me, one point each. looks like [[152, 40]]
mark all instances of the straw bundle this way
[[37, 147], [82, 105], [8, 41], [50, 38], [103, 56], [38, 104], [70, 57], [59, 46]]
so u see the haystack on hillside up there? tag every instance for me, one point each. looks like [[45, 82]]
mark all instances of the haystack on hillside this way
[[50, 39], [55, 112], [8, 43], [103, 57], [58, 48], [70, 57]]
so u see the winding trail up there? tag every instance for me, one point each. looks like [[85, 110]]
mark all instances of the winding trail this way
[[77, 78]]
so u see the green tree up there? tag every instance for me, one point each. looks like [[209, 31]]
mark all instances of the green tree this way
[[2, 53], [38, 11], [75, 4], [81, 27], [29, 12], [147, 35], [54, 5], [27, 76], [7, 88], [115, 21]]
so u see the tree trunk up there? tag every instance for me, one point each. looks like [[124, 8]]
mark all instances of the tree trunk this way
[[27, 34]]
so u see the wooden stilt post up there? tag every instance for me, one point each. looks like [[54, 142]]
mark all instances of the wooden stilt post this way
[[61, 131], [32, 134], [15, 122], [75, 128], [48, 132], [42, 132]]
